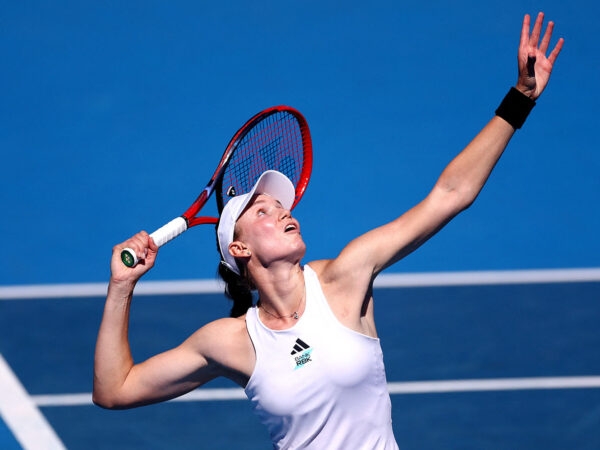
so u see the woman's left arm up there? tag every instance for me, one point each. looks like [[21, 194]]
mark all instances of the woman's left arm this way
[[462, 180]]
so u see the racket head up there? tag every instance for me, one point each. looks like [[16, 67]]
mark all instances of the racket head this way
[[277, 138]]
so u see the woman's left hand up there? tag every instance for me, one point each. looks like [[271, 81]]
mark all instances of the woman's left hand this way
[[534, 66]]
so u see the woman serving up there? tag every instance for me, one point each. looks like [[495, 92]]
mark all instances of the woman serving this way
[[307, 353]]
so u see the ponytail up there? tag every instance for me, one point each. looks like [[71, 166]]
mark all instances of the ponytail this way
[[238, 289]]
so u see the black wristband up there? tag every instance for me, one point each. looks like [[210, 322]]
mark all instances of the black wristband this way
[[515, 108]]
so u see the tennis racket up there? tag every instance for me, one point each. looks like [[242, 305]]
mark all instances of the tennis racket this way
[[277, 138]]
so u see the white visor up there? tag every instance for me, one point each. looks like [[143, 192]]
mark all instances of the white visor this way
[[272, 183]]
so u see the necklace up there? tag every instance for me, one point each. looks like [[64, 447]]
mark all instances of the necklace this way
[[293, 315]]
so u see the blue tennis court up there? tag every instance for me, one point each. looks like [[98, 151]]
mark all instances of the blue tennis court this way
[[113, 115], [474, 360]]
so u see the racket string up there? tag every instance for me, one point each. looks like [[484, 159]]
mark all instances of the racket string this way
[[274, 143]]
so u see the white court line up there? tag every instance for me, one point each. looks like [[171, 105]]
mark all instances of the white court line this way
[[490, 277], [494, 384], [408, 387], [21, 415], [54, 291], [181, 287]]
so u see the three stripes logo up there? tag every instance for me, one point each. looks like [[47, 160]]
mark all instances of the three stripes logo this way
[[301, 353]]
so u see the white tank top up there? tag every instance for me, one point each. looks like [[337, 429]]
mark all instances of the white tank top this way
[[319, 385]]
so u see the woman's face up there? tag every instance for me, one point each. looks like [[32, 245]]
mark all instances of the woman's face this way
[[269, 232]]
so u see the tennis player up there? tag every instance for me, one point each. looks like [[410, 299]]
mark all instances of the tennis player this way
[[307, 353]]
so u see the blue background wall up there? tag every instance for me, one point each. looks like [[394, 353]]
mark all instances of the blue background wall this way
[[106, 107]]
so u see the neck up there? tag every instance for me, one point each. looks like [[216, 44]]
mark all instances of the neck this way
[[295, 315], [282, 297]]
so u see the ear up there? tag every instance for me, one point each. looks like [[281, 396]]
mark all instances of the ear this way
[[238, 249]]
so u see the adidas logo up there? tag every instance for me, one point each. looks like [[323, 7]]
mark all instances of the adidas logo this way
[[299, 346], [303, 351]]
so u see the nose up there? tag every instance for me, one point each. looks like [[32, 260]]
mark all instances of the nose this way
[[285, 214]]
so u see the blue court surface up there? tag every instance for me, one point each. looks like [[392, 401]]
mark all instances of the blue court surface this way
[[475, 360], [115, 113]]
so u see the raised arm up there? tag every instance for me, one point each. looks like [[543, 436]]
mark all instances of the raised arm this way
[[462, 180], [118, 381]]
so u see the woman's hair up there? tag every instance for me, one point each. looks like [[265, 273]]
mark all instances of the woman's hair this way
[[238, 288]]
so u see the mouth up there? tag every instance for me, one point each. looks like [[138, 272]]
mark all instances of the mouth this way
[[290, 227]]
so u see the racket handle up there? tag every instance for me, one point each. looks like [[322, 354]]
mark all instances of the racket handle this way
[[161, 236]]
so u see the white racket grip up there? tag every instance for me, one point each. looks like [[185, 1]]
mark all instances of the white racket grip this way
[[161, 236], [169, 231]]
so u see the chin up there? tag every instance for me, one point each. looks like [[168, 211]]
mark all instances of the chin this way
[[300, 250]]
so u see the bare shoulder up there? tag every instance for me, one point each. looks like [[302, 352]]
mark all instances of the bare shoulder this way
[[348, 294], [344, 286], [337, 276], [226, 343], [221, 334], [319, 266]]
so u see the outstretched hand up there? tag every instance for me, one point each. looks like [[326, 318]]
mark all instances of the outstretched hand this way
[[534, 66]]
